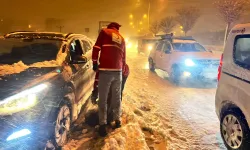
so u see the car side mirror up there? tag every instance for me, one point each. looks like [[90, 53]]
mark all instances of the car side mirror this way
[[79, 60]]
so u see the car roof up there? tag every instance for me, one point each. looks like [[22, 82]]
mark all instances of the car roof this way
[[41, 35], [241, 29], [183, 41]]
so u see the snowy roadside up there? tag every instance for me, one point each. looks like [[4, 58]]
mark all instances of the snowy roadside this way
[[135, 134]]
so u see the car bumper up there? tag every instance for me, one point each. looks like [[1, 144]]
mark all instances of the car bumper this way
[[203, 73]]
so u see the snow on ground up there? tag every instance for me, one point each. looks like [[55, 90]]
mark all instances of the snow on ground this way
[[187, 112], [158, 115]]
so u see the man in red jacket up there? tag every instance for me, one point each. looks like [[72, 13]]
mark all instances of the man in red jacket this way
[[111, 46]]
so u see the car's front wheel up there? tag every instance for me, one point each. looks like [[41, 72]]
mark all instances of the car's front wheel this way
[[62, 126], [175, 75], [151, 64], [234, 130], [60, 129]]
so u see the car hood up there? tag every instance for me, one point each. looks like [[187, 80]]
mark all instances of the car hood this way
[[198, 55], [11, 83]]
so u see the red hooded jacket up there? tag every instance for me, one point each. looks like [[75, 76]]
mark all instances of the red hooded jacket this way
[[111, 46]]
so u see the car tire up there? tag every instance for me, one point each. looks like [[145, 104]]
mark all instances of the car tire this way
[[175, 75], [61, 124], [227, 126], [151, 65]]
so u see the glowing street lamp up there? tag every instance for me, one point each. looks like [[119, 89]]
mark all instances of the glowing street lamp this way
[[145, 16], [131, 16], [181, 27], [140, 23], [29, 26], [131, 23]]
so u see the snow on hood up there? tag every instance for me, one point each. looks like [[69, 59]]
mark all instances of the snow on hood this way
[[198, 55], [20, 67]]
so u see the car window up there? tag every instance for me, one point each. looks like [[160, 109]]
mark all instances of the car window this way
[[28, 51], [199, 47], [188, 47], [86, 46], [159, 46], [242, 51], [166, 47], [76, 49]]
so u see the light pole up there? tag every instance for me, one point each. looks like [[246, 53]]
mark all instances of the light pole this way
[[149, 5]]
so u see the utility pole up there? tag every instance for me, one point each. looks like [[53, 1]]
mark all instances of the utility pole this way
[[60, 28], [149, 6]]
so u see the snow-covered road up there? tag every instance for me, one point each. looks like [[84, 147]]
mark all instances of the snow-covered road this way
[[186, 113]]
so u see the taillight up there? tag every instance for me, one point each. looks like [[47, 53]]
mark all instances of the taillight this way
[[220, 67]]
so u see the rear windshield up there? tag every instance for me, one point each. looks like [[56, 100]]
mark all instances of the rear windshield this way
[[29, 52], [188, 47]]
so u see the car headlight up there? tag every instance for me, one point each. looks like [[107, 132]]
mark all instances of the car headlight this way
[[18, 134], [21, 101], [150, 47], [129, 45], [189, 62]]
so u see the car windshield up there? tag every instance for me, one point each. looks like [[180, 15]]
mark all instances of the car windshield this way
[[28, 51], [149, 41], [188, 47]]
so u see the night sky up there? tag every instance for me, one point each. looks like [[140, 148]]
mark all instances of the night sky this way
[[80, 14]]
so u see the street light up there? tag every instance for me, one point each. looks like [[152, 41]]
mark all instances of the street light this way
[[131, 16], [145, 16], [149, 5], [140, 23], [29, 26], [131, 23], [181, 27]]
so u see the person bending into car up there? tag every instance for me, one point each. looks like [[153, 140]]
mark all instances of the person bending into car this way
[[111, 46]]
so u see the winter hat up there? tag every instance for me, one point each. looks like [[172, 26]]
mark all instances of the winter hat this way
[[114, 25]]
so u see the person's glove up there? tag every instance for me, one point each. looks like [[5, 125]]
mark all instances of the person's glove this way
[[95, 67]]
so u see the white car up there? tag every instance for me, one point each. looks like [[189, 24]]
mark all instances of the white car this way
[[184, 58], [233, 92]]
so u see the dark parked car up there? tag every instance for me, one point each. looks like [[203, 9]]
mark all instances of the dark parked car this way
[[45, 79]]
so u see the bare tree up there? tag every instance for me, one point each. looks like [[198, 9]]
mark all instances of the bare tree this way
[[231, 11], [187, 17], [154, 27], [167, 24]]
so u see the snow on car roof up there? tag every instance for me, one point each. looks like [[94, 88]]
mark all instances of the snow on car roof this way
[[183, 41]]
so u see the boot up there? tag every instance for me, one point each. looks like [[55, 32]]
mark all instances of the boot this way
[[117, 124], [102, 130]]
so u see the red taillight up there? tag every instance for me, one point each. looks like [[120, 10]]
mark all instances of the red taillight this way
[[220, 67]]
